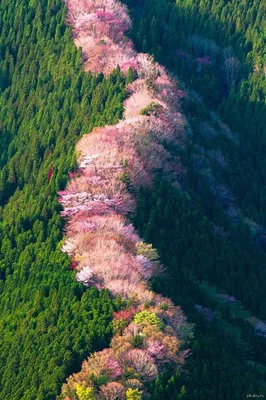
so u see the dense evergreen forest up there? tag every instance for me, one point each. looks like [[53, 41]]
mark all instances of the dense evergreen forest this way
[[210, 243], [49, 322], [215, 239]]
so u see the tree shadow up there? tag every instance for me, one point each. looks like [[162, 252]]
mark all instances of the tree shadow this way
[[166, 30]]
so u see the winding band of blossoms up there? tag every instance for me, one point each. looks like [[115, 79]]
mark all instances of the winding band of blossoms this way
[[114, 162]]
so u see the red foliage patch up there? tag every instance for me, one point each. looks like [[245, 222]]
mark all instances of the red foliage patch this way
[[125, 314], [73, 264], [72, 174], [50, 173]]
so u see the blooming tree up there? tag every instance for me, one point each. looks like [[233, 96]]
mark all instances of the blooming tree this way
[[143, 363], [113, 391]]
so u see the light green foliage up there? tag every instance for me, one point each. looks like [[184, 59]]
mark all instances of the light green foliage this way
[[85, 393], [133, 394], [149, 318], [118, 325], [146, 250]]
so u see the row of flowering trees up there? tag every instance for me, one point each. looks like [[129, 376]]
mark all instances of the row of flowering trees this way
[[99, 28], [114, 162], [147, 339]]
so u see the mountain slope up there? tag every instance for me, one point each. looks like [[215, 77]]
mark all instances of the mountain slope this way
[[49, 323], [47, 103]]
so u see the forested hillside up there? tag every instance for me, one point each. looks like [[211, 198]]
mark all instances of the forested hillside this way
[[209, 229], [49, 322], [226, 167], [218, 48], [217, 224]]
